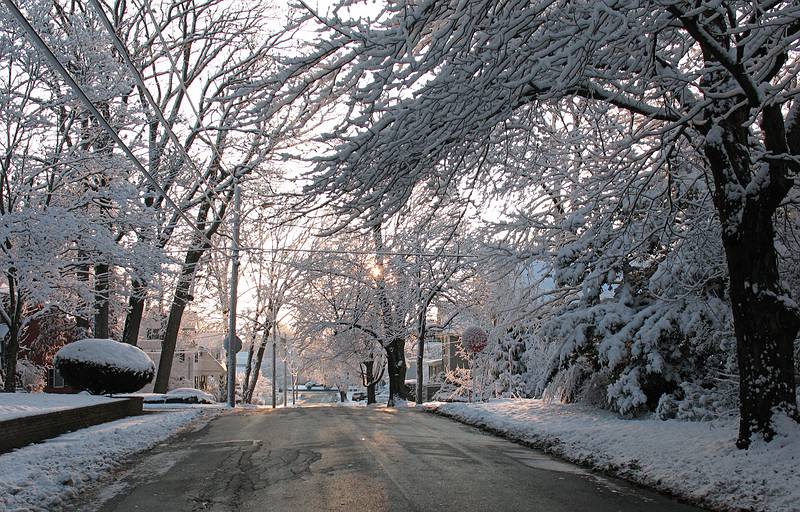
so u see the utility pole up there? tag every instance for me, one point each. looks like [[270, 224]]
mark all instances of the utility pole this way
[[294, 387], [274, 365], [285, 381], [234, 285]]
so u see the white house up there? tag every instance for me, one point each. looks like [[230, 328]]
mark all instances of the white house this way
[[196, 363]]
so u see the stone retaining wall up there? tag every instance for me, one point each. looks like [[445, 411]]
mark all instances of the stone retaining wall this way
[[18, 432]]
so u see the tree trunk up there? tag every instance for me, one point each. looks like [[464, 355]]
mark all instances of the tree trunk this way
[[176, 310], [133, 320], [262, 347], [11, 342], [182, 296], [396, 362], [342, 396], [369, 381], [247, 371], [766, 327], [102, 312], [10, 358], [82, 324], [765, 319]]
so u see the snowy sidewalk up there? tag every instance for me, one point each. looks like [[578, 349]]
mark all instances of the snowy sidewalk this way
[[694, 460], [44, 477]]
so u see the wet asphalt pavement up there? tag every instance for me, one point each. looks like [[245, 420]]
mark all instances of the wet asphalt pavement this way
[[358, 460]]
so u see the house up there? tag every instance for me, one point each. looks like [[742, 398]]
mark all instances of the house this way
[[193, 366], [198, 355], [442, 355]]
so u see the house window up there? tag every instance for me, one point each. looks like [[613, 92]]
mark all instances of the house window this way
[[196, 357], [181, 357], [54, 379]]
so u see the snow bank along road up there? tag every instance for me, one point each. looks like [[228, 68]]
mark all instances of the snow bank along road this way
[[49, 475], [351, 459]]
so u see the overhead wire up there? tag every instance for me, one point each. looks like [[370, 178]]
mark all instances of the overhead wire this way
[[48, 54], [276, 250], [361, 253]]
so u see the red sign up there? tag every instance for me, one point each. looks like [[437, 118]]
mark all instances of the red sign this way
[[474, 339]]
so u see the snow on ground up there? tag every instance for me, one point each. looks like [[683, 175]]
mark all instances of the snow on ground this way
[[46, 476], [161, 406], [185, 395], [14, 405], [192, 394], [694, 460]]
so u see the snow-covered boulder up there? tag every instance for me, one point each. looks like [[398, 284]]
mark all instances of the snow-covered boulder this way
[[104, 366]]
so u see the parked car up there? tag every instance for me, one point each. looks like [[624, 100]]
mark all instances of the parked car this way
[[359, 396]]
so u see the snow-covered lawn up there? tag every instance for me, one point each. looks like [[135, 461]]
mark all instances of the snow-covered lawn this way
[[44, 477], [14, 405], [695, 460]]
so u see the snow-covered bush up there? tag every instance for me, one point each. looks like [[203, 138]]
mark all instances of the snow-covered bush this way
[[508, 368], [103, 366], [694, 403], [30, 376]]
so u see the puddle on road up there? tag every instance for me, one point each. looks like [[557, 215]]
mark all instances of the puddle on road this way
[[544, 462]]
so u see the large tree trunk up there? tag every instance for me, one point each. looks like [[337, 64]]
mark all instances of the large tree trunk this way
[[182, 297], [765, 319], [748, 189], [766, 327], [103, 145], [396, 362], [133, 320]]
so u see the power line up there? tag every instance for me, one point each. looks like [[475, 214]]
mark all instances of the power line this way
[[276, 250], [48, 54], [361, 253]]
